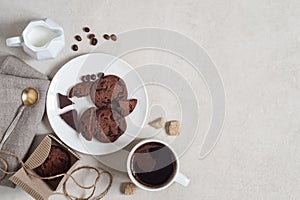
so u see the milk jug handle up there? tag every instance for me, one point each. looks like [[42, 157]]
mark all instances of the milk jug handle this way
[[14, 41]]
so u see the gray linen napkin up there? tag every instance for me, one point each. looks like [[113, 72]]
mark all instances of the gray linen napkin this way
[[15, 76]]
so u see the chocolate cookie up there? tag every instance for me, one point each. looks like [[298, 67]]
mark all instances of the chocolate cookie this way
[[57, 162], [89, 124], [81, 89], [109, 88], [126, 106], [112, 125]]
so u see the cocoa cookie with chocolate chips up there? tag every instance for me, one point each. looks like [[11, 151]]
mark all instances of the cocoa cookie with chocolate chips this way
[[112, 125], [81, 89], [109, 88], [126, 106], [57, 162], [88, 125]]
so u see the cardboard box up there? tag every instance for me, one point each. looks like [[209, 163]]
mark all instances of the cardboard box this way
[[38, 188]]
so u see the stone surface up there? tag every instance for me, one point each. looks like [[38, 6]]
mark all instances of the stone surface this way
[[255, 45]]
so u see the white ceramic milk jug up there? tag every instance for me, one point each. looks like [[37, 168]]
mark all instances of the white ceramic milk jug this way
[[41, 39]]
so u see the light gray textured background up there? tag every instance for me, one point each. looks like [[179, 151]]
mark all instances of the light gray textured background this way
[[255, 46]]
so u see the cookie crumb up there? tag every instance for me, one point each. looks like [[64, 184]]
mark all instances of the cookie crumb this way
[[157, 123], [173, 127], [130, 189]]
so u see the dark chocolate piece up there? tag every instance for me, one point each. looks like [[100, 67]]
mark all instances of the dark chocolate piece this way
[[71, 118], [63, 101]]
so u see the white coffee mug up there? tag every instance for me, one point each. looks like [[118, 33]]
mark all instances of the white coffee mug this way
[[177, 177], [41, 39]]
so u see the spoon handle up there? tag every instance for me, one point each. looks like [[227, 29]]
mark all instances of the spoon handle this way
[[12, 125]]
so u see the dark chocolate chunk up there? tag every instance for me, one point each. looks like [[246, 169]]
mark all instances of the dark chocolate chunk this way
[[63, 101], [71, 118]]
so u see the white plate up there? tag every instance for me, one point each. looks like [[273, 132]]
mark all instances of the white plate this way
[[69, 75]]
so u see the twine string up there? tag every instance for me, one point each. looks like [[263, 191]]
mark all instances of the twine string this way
[[99, 172]]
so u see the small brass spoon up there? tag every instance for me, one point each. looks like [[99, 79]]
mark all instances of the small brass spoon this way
[[29, 97]]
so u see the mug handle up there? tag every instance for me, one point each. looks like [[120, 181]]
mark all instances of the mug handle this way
[[14, 41], [182, 179]]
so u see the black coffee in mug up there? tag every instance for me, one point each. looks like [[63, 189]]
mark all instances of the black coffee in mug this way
[[153, 164]]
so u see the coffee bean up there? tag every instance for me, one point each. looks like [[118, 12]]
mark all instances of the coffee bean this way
[[106, 36], [86, 29], [93, 77], [94, 41], [75, 47], [78, 38], [91, 36], [113, 37]]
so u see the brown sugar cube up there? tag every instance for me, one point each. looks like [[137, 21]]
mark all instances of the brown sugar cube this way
[[173, 127], [157, 123], [130, 189]]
